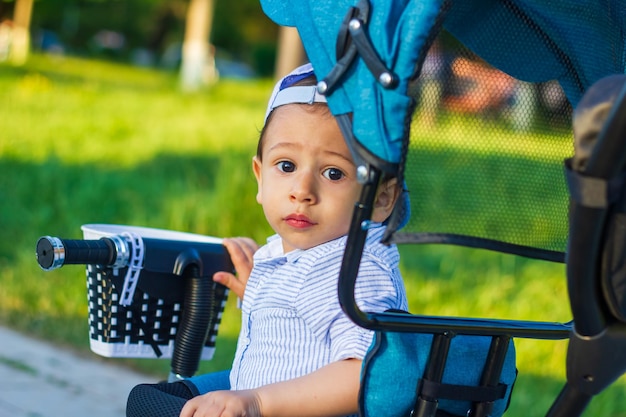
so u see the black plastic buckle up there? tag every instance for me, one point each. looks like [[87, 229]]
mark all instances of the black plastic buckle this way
[[353, 39]]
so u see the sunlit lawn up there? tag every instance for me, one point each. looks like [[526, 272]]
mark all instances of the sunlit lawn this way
[[90, 142]]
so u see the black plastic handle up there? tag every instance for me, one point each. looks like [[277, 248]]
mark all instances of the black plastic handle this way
[[53, 252]]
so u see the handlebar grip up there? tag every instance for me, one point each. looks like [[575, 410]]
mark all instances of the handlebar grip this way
[[53, 252]]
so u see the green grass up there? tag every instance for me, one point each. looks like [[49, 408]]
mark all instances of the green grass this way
[[92, 142]]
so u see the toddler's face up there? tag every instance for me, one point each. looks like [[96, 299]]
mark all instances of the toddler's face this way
[[306, 179]]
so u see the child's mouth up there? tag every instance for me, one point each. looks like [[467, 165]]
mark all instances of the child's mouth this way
[[299, 221]]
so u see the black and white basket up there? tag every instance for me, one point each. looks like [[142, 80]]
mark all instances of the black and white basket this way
[[145, 325]]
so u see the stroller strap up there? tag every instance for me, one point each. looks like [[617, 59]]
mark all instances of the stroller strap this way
[[462, 392]]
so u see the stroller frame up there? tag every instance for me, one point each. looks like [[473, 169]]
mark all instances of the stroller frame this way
[[367, 52], [595, 335]]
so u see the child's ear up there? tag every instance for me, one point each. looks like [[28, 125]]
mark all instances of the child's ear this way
[[256, 168], [386, 196]]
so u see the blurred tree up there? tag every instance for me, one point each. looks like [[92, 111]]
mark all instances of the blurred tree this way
[[242, 32], [290, 52], [78, 26], [20, 39], [198, 60], [154, 28], [166, 22]]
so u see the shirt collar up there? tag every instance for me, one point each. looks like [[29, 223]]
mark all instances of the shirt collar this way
[[273, 250]]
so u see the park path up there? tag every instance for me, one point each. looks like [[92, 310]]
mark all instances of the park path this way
[[38, 379]]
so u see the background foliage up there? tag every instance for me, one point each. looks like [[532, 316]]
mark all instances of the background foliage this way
[[240, 31]]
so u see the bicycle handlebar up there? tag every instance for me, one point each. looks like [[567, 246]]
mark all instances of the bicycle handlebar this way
[[53, 252]]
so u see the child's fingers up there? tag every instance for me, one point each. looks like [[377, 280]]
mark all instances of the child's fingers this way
[[202, 405], [189, 409], [241, 251], [231, 282], [242, 247]]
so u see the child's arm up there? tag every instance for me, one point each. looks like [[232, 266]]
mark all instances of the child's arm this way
[[330, 391]]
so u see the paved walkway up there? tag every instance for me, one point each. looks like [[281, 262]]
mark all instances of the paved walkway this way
[[40, 380]]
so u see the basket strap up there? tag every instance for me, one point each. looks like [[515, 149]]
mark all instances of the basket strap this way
[[148, 332], [134, 268]]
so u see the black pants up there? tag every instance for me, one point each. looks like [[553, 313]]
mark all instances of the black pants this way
[[159, 400]]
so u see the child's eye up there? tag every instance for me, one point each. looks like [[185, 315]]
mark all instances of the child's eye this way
[[333, 174], [286, 166]]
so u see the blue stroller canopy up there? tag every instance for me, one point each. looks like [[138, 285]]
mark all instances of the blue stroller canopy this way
[[531, 40]]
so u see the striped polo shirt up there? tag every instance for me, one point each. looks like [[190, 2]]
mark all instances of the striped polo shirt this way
[[292, 323]]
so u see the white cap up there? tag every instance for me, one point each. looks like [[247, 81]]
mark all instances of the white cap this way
[[284, 93]]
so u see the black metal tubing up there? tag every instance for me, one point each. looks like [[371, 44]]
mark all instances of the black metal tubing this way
[[426, 406], [479, 243], [491, 372], [583, 266], [468, 326], [569, 403], [354, 249]]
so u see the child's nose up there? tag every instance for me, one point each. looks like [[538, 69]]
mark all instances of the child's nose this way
[[304, 188]]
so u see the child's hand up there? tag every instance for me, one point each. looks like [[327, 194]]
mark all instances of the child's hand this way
[[223, 403], [241, 250]]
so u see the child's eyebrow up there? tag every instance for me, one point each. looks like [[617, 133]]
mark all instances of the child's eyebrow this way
[[280, 145], [342, 156], [287, 145]]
